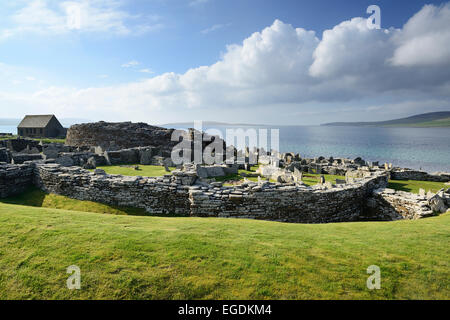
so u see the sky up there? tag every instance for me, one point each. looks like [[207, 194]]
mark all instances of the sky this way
[[241, 61]]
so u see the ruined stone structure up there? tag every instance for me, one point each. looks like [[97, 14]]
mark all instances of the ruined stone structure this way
[[57, 168], [123, 135], [409, 174], [184, 193], [389, 204], [177, 194], [15, 179]]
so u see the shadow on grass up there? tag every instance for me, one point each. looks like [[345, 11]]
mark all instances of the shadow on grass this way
[[34, 197], [399, 186]]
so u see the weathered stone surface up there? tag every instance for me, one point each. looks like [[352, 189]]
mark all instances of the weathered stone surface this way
[[408, 174], [15, 179], [438, 204], [119, 135], [389, 204], [19, 158], [5, 155]]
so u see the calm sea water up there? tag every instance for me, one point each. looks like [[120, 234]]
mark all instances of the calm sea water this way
[[8, 129], [418, 148]]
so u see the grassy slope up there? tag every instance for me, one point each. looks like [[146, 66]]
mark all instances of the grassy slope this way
[[44, 140], [124, 257], [429, 124], [414, 185], [432, 119]]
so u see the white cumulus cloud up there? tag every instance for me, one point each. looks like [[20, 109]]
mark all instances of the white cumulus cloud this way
[[279, 71]]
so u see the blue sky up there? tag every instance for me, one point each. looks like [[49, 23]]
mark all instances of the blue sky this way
[[170, 60]]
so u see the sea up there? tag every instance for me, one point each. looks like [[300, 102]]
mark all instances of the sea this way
[[425, 149]]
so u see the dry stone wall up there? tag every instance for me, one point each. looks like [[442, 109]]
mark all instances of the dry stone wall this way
[[15, 179], [177, 194], [389, 204], [287, 203], [183, 193], [119, 135], [162, 195], [408, 174]]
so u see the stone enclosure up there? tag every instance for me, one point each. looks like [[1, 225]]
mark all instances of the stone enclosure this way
[[190, 191]]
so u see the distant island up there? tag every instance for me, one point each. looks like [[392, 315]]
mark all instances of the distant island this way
[[425, 120]]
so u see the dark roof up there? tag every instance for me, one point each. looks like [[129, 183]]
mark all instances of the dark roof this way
[[37, 121]]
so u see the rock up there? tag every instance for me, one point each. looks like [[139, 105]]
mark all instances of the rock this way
[[99, 172], [65, 161], [321, 179], [437, 204], [145, 156], [422, 193], [298, 174]]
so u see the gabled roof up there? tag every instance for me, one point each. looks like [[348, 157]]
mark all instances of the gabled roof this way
[[36, 121]]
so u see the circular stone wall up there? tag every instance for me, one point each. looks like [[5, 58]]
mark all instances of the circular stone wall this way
[[121, 135]]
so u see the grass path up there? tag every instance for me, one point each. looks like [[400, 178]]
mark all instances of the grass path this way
[[127, 257]]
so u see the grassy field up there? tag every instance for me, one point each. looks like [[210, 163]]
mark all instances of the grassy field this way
[[144, 170], [126, 257], [44, 140], [414, 185]]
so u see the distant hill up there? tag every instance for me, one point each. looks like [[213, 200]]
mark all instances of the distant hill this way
[[432, 119]]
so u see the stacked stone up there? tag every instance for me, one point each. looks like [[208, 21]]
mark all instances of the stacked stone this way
[[162, 195], [284, 202], [5, 155], [119, 135], [408, 174], [176, 194], [15, 179], [20, 158], [389, 204]]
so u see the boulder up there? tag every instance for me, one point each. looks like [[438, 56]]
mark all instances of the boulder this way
[[437, 204], [99, 172], [145, 156], [65, 161]]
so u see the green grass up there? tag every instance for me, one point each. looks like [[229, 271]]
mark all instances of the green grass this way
[[126, 257], [145, 170], [311, 179], [44, 140], [414, 185], [227, 180], [445, 122], [37, 198]]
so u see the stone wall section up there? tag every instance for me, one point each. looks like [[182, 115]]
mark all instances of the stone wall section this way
[[286, 203], [15, 179], [408, 174], [161, 195], [177, 194], [389, 204]]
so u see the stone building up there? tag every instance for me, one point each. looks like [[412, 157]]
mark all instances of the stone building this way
[[41, 126]]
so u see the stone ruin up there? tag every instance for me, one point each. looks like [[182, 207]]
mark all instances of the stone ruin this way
[[191, 190]]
